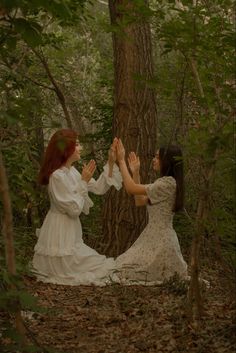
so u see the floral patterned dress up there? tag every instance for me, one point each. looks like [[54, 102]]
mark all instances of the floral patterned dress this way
[[155, 256]]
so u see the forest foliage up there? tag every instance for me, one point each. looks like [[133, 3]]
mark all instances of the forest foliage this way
[[56, 63]]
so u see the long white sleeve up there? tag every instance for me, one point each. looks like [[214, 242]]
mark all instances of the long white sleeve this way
[[66, 198], [104, 182]]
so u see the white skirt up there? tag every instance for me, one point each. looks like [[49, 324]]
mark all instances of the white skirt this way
[[61, 257]]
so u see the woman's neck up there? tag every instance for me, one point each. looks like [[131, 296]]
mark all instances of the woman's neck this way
[[68, 164]]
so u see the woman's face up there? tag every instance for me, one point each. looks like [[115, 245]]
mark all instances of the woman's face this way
[[156, 162], [76, 154]]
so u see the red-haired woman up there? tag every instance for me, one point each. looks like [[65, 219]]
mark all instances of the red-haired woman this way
[[155, 256], [61, 256]]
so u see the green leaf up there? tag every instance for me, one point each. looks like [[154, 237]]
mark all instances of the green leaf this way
[[30, 31], [10, 117], [11, 43]]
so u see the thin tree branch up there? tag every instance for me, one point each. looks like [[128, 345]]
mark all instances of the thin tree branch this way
[[193, 66], [57, 89], [40, 84]]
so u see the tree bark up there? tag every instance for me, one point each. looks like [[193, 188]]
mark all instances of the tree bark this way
[[194, 293], [134, 121]]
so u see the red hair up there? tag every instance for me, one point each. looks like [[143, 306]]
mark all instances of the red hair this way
[[60, 147]]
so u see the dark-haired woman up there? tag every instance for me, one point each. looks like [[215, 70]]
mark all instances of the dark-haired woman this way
[[61, 257], [155, 256]]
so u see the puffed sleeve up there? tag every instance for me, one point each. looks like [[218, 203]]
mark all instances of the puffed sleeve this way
[[160, 190], [104, 182], [66, 198]]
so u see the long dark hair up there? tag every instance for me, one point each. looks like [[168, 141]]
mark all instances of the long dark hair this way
[[60, 147], [171, 164]]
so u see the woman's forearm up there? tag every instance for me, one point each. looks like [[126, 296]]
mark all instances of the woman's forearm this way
[[140, 200], [136, 178], [110, 169], [130, 186]]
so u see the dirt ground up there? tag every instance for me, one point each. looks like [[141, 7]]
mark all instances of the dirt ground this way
[[131, 319]]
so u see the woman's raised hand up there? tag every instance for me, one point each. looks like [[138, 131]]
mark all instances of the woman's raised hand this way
[[112, 152], [120, 151], [134, 163], [88, 170]]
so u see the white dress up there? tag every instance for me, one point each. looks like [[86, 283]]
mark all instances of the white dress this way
[[61, 257], [155, 256]]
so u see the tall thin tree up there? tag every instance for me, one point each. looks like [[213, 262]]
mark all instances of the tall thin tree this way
[[7, 231]]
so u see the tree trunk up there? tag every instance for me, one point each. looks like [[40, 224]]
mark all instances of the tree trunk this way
[[7, 231], [194, 294], [135, 120]]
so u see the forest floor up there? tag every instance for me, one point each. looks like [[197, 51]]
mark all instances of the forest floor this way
[[132, 319]]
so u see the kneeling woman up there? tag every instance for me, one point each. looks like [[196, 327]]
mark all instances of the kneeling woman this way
[[61, 257], [155, 256]]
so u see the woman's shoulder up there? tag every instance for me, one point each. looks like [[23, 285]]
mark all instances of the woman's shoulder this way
[[169, 179], [60, 172], [58, 176], [166, 180], [161, 189]]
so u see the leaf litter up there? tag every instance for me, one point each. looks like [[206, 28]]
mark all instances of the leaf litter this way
[[130, 319]]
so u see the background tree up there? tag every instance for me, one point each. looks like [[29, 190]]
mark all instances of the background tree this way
[[20, 32], [191, 30], [135, 117]]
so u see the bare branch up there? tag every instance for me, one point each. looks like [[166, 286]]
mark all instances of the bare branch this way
[[57, 89], [40, 84], [193, 66]]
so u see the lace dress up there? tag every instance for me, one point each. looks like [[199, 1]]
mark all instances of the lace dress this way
[[61, 256], [155, 256]]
